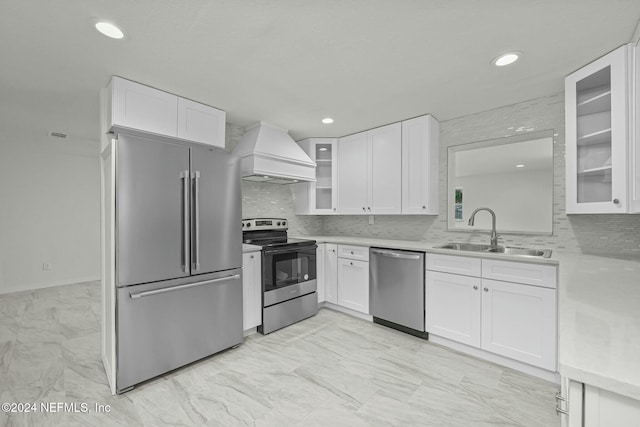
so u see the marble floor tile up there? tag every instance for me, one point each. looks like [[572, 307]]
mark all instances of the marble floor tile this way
[[329, 370]]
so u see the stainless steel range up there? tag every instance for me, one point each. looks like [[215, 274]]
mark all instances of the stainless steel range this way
[[288, 273]]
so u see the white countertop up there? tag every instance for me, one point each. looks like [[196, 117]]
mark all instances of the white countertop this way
[[598, 311], [599, 322], [250, 248], [423, 246]]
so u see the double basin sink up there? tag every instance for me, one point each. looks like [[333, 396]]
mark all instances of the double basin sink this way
[[506, 250]]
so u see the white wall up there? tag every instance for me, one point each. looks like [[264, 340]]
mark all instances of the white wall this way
[[49, 210]]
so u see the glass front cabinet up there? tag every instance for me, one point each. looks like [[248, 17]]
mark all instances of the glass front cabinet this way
[[320, 197], [598, 106]]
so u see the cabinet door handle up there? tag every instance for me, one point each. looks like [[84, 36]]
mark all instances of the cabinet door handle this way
[[560, 411], [616, 201], [424, 207], [486, 289], [364, 209], [251, 257], [559, 400], [369, 208], [475, 288]]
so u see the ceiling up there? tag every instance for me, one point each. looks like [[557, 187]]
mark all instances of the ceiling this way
[[292, 62]]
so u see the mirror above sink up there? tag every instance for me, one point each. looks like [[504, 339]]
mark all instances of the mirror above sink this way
[[511, 175]]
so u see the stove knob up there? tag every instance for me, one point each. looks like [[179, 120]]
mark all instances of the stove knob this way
[[278, 223], [243, 225], [284, 223], [248, 224]]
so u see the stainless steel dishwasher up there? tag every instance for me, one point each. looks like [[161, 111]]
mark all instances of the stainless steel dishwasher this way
[[396, 294]]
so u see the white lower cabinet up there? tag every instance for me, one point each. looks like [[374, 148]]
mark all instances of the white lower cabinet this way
[[515, 320], [604, 408], [331, 273], [453, 307], [519, 321], [320, 273], [583, 405], [251, 290], [353, 284]]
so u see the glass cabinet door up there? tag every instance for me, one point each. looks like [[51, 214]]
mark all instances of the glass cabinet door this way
[[319, 197], [597, 136], [324, 176]]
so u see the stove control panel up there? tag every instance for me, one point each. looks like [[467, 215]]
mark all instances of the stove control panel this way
[[264, 224]]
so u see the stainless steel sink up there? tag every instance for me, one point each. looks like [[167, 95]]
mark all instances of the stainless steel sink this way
[[507, 250], [472, 247]]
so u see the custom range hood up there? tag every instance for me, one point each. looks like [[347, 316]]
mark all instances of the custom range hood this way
[[269, 154]]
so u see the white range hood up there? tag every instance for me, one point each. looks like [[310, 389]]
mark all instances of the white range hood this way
[[269, 154]]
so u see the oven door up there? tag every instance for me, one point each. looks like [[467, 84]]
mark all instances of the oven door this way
[[288, 273]]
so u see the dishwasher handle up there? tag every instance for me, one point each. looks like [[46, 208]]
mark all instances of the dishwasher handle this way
[[393, 254]]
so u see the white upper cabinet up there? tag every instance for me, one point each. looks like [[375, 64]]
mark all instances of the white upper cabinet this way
[[136, 106], [353, 174], [385, 177], [369, 172], [597, 109], [200, 123], [143, 108], [320, 197], [420, 147]]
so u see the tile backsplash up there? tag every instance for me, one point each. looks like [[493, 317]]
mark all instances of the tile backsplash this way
[[596, 234]]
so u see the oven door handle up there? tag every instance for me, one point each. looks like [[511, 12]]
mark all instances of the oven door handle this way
[[296, 249]]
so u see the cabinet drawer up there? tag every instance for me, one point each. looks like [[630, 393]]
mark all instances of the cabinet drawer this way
[[454, 264], [360, 253], [520, 272]]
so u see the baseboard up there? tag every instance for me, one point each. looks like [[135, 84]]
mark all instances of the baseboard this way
[[345, 310], [53, 284], [553, 377]]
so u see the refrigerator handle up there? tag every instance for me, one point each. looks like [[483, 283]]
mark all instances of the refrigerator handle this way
[[196, 220], [185, 220], [179, 287]]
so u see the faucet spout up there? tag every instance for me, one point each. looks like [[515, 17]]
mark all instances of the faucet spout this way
[[494, 234]]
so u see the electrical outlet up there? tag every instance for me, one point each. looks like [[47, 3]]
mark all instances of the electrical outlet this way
[[46, 266], [371, 221]]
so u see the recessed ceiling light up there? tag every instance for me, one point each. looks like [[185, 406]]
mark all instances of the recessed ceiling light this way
[[519, 166], [322, 149], [109, 30], [506, 59], [266, 177], [327, 120]]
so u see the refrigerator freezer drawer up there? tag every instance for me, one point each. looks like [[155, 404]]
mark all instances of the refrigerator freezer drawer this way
[[165, 325]]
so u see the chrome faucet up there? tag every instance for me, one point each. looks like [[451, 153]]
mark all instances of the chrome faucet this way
[[494, 235]]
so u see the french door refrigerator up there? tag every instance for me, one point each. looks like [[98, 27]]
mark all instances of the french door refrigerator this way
[[178, 256]]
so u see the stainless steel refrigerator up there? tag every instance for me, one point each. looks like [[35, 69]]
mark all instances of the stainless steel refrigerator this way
[[178, 256]]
